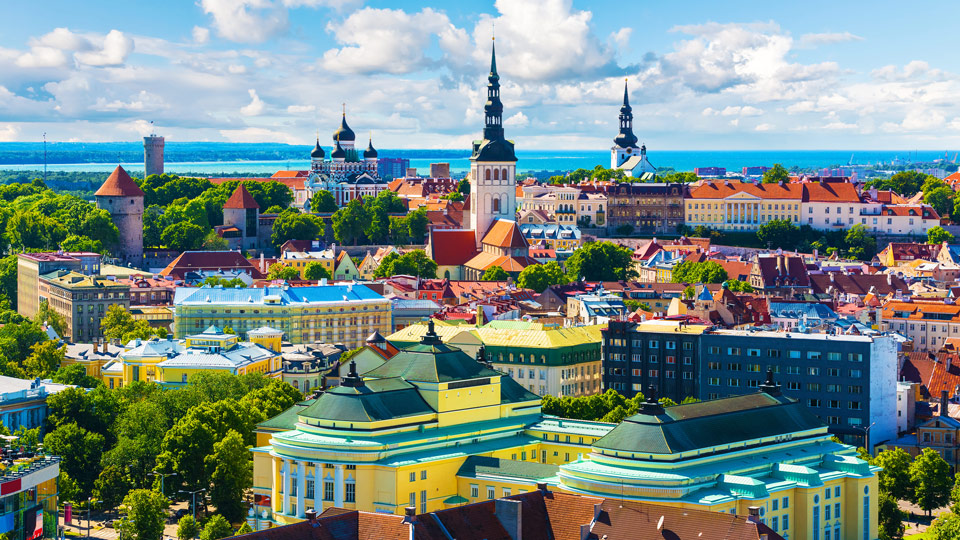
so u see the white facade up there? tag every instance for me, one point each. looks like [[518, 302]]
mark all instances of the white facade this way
[[883, 391], [832, 216], [906, 402], [493, 194]]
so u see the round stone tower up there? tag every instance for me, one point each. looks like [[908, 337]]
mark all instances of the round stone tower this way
[[123, 198], [152, 155]]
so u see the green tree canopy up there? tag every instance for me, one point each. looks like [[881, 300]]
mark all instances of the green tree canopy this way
[[350, 221], [894, 478], [540, 276], [315, 270], [217, 527], [231, 472], [778, 233], [412, 263], [861, 244], [941, 199], [111, 486], [183, 236], [323, 202], [187, 528], [600, 261], [80, 450], [699, 272], [775, 174], [294, 225], [938, 235], [144, 515], [120, 324], [282, 271], [735, 285], [495, 273], [905, 183], [889, 517], [932, 481]]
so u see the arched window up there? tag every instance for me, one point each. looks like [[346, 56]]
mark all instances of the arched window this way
[[496, 205], [496, 174], [486, 175], [504, 174]]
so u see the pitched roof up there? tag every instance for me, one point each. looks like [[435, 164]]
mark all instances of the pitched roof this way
[[210, 260], [908, 251], [452, 247], [119, 184], [431, 361], [924, 211], [505, 233], [695, 426], [858, 284], [241, 199], [782, 270], [629, 519], [830, 192], [339, 524], [722, 190]]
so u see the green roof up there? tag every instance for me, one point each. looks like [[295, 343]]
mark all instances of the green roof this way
[[431, 362], [474, 466], [286, 420], [373, 401], [685, 428], [513, 392]]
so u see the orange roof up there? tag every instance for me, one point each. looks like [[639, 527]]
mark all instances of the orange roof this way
[[290, 174], [119, 184], [505, 233], [241, 199], [722, 190], [911, 211], [830, 192], [452, 247]]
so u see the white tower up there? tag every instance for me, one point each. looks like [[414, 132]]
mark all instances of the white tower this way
[[493, 165]]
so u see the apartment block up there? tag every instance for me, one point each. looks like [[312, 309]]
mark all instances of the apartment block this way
[[30, 266]]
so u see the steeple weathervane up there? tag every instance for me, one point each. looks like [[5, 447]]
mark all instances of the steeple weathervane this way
[[493, 110]]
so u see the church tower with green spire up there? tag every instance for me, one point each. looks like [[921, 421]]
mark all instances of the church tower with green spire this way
[[493, 165]]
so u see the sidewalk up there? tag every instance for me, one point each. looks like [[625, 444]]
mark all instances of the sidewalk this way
[[78, 528]]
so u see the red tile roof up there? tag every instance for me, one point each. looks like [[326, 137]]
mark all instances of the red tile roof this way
[[830, 192], [722, 190], [505, 233], [911, 211], [858, 284], [241, 199], [191, 261], [452, 247], [932, 372], [630, 519], [119, 184]]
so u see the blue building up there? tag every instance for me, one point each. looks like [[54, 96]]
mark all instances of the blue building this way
[[23, 403]]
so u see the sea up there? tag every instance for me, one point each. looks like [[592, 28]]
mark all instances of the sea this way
[[559, 160]]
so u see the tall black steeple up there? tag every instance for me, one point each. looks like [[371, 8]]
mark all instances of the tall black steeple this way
[[493, 109], [626, 138]]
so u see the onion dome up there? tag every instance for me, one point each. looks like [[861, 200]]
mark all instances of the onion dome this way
[[338, 152], [317, 152], [344, 133], [370, 152]]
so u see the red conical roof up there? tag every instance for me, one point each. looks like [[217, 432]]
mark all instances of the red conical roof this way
[[119, 184], [241, 198]]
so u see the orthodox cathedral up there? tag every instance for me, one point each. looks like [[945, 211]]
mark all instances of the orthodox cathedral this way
[[625, 155], [348, 174]]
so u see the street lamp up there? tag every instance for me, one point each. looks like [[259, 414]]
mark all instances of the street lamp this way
[[90, 501], [866, 438], [162, 476], [193, 494]]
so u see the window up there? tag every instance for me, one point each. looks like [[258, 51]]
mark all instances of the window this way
[[836, 510], [833, 372], [794, 354], [413, 476], [733, 351], [713, 365], [834, 356], [311, 486], [474, 491], [813, 402], [713, 381], [491, 492], [653, 344], [813, 371], [836, 493], [351, 492], [714, 350], [423, 474], [328, 491], [855, 357], [813, 387], [671, 345], [855, 373], [773, 353], [775, 505], [734, 366], [733, 382], [826, 496], [774, 524], [423, 502], [786, 521]]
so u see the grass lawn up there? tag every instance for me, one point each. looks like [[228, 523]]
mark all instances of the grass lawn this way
[[918, 536]]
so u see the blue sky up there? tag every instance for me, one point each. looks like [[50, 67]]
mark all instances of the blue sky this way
[[703, 75]]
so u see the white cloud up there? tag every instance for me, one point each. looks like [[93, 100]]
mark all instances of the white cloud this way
[[113, 52], [256, 105], [519, 120], [621, 38], [236, 69], [42, 57], [764, 127], [201, 35], [389, 40], [828, 38], [300, 109], [9, 132], [248, 21]]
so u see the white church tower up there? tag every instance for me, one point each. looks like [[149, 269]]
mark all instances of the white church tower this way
[[625, 154], [493, 165]]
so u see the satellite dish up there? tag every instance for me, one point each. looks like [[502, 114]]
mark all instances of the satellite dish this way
[[660, 523]]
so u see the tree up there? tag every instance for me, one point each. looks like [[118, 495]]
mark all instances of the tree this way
[[894, 478], [600, 261], [939, 235], [540, 276], [232, 283], [931, 479], [906, 183], [217, 527], [274, 398], [75, 374], [111, 486], [495, 273], [120, 324], [889, 518], [413, 263], [244, 529], [778, 233], [293, 225], [323, 202], [69, 490], [860, 242], [231, 472], [214, 242], [187, 528], [689, 292], [45, 359], [350, 221], [145, 515], [941, 199], [735, 285], [282, 271], [75, 242], [183, 236], [946, 527], [316, 270], [80, 450], [775, 174], [698, 272], [417, 222], [140, 429]]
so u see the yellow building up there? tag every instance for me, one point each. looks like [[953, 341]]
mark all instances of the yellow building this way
[[300, 259], [330, 313], [433, 428], [741, 206], [171, 362]]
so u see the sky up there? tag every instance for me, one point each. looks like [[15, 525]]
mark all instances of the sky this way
[[412, 74]]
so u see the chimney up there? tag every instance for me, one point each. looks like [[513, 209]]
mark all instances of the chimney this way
[[944, 404], [410, 518], [96, 346], [106, 346], [753, 514], [311, 515], [542, 487], [889, 279], [508, 513]]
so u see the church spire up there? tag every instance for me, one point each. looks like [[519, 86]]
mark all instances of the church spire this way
[[493, 110], [626, 138]]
